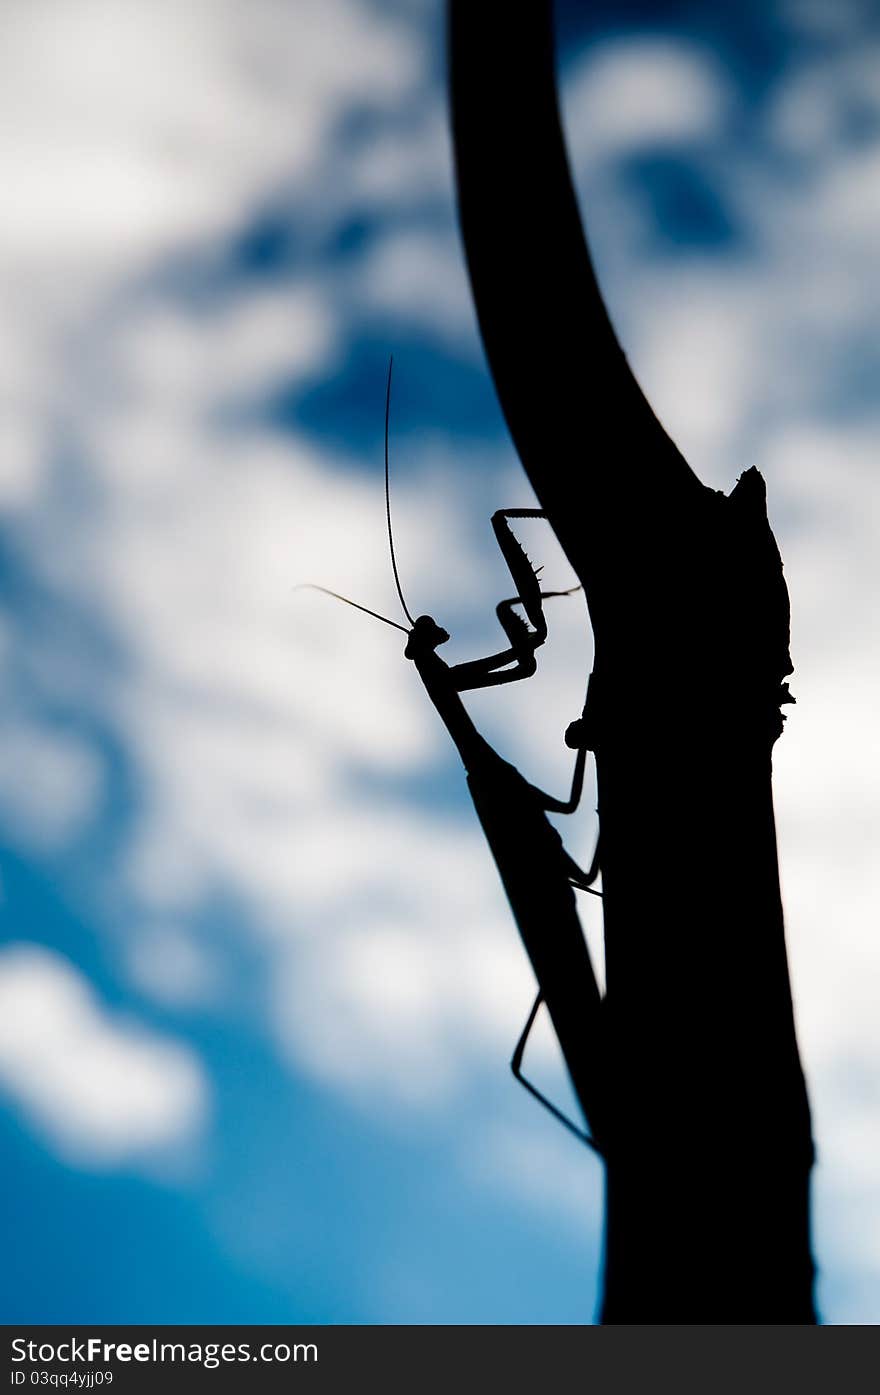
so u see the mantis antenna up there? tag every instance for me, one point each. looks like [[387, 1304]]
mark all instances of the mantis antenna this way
[[388, 498], [310, 586]]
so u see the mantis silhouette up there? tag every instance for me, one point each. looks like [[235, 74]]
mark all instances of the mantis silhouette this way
[[538, 875]]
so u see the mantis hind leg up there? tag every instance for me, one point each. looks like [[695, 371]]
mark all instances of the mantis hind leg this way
[[583, 881], [516, 1067]]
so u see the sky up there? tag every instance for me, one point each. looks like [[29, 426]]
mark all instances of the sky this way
[[258, 983]]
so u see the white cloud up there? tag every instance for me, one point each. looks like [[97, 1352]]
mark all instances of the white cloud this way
[[420, 276], [415, 980], [811, 114], [405, 165], [224, 352], [129, 131], [639, 93], [102, 1088], [51, 782], [132, 126], [169, 964], [699, 339]]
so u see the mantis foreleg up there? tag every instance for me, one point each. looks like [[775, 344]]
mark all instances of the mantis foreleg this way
[[525, 576], [484, 673]]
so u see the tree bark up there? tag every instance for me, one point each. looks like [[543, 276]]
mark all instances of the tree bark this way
[[709, 1143]]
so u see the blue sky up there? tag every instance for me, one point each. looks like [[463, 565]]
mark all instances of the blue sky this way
[[258, 986]]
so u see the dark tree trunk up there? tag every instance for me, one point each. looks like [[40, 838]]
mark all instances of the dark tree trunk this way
[[709, 1140]]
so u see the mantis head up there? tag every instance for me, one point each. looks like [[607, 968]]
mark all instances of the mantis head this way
[[424, 637]]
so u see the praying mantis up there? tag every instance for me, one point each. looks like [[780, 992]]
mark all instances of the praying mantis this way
[[538, 875]]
